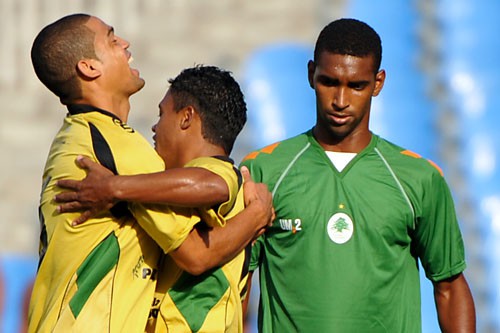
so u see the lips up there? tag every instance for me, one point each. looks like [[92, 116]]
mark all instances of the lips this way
[[339, 119]]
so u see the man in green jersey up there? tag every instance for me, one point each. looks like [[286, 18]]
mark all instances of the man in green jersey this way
[[354, 212], [101, 276]]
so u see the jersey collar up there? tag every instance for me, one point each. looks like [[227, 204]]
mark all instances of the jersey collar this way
[[224, 158], [373, 142], [85, 108]]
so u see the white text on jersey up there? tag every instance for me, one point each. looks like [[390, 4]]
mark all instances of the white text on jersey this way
[[291, 224]]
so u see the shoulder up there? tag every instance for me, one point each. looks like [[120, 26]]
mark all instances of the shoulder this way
[[211, 163], [407, 161], [222, 166], [278, 151]]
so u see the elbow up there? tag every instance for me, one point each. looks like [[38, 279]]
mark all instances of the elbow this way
[[215, 185], [195, 270], [193, 266], [219, 192]]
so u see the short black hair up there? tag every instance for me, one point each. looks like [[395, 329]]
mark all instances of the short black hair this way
[[349, 36], [217, 98], [56, 51]]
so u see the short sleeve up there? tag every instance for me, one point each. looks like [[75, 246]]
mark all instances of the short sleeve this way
[[257, 247], [438, 240], [168, 227], [224, 169]]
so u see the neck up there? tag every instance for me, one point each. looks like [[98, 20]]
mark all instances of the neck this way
[[120, 107], [202, 149], [354, 142]]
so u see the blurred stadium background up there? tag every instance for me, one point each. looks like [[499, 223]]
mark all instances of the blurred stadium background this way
[[440, 100]]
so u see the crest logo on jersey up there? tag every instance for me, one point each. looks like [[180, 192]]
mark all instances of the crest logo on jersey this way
[[340, 228]]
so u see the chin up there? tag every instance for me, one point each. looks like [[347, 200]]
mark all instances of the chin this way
[[162, 156], [339, 136], [138, 85]]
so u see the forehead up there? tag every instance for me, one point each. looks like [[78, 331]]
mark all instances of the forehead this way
[[168, 100], [344, 64], [98, 26]]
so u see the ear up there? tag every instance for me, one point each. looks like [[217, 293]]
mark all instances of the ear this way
[[379, 82], [188, 115], [89, 68], [311, 67]]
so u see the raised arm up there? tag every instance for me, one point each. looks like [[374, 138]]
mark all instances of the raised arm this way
[[455, 305], [194, 187], [206, 248]]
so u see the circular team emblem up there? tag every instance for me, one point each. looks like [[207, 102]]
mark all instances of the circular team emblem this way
[[340, 228]]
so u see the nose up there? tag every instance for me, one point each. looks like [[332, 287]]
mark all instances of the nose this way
[[153, 128], [340, 98], [124, 42]]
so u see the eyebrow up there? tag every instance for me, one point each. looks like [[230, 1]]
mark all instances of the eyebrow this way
[[361, 82], [334, 79]]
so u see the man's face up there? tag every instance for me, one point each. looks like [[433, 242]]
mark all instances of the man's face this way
[[112, 52], [166, 137], [344, 87]]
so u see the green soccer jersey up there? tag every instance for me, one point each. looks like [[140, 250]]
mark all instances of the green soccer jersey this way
[[342, 253]]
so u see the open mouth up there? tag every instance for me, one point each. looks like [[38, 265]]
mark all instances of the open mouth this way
[[135, 71]]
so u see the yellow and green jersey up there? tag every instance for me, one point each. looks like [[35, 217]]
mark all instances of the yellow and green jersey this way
[[99, 276], [210, 302], [342, 253]]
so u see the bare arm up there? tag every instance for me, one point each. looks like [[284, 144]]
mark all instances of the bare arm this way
[[455, 305], [191, 187], [194, 187], [208, 248]]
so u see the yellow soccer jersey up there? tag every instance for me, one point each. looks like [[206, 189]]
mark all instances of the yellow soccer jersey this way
[[99, 276], [210, 302]]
